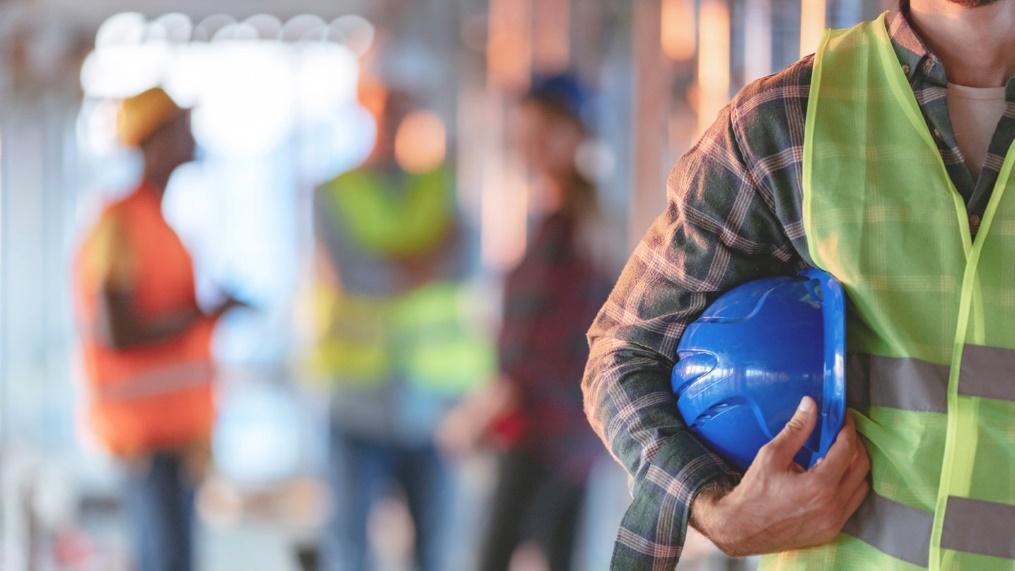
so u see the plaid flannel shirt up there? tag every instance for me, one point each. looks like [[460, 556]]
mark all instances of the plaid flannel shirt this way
[[550, 298], [733, 215]]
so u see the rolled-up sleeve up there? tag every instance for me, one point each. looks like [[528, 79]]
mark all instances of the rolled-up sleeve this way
[[718, 230]]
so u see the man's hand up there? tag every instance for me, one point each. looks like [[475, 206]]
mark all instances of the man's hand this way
[[778, 505], [465, 425]]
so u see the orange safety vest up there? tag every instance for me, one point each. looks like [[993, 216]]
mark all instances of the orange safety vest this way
[[154, 395]]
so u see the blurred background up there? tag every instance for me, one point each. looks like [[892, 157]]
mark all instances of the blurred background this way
[[442, 113]]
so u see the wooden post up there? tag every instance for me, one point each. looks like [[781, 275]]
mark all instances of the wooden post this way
[[504, 200], [713, 61], [650, 113], [551, 37], [812, 25]]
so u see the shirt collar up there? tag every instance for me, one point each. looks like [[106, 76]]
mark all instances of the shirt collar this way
[[918, 63]]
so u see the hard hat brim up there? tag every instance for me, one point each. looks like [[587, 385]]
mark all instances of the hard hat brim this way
[[833, 401]]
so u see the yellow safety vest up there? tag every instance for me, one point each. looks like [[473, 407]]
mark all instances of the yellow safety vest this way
[[412, 221], [931, 324], [425, 335]]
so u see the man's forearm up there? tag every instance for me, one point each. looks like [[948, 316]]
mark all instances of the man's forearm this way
[[122, 328], [630, 405], [629, 402], [702, 515]]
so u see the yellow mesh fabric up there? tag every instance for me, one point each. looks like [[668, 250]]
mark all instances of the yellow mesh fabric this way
[[426, 335], [868, 227], [411, 221], [980, 450], [882, 215], [845, 554]]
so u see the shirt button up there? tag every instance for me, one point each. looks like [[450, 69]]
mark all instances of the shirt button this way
[[905, 69], [974, 222], [937, 135]]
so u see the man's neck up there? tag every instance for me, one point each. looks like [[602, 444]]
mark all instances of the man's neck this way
[[157, 180], [976, 45]]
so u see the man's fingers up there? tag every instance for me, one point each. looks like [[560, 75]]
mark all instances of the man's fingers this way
[[791, 438], [840, 456], [859, 494], [857, 470]]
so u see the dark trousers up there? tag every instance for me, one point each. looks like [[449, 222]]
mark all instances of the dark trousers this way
[[363, 470], [158, 498], [530, 504]]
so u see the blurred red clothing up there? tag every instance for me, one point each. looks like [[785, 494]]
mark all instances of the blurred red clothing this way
[[550, 300]]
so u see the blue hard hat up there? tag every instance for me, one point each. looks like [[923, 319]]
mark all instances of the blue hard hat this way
[[567, 92], [744, 365]]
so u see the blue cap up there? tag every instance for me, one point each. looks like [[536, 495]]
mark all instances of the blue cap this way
[[565, 91], [746, 363]]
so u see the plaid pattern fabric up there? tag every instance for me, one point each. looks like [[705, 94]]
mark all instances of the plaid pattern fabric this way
[[734, 214], [549, 301]]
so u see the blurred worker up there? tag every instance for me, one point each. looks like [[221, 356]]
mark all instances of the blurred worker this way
[[146, 343], [886, 160], [550, 298], [394, 340]]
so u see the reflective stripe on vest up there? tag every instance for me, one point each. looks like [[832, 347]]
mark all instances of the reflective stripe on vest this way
[[930, 333], [981, 368], [425, 336], [919, 386], [896, 529], [903, 532], [164, 380], [903, 383], [441, 350], [976, 526]]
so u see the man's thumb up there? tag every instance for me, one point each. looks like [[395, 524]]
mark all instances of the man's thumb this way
[[792, 437]]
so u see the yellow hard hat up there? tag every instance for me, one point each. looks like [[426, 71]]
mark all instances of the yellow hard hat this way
[[141, 115]]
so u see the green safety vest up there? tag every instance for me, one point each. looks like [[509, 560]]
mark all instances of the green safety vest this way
[[411, 221], [931, 322], [424, 335]]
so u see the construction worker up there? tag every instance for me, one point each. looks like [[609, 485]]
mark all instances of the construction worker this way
[[146, 344], [546, 449], [883, 159], [395, 341]]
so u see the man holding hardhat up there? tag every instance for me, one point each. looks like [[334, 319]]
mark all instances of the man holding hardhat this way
[[884, 160]]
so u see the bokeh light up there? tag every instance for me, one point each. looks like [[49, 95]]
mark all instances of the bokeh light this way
[[122, 70], [420, 142], [124, 29], [247, 105], [355, 32], [326, 75]]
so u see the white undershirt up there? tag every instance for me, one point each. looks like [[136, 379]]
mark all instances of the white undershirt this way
[[974, 113]]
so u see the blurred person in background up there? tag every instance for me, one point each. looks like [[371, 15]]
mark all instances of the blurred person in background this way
[[146, 344], [393, 338], [534, 410]]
